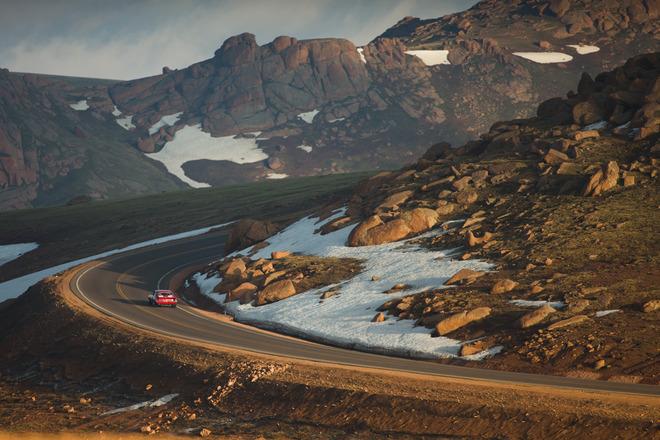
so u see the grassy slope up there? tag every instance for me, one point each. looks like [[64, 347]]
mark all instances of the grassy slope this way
[[70, 232]]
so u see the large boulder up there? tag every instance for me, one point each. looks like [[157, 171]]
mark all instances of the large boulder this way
[[503, 286], [235, 269], [275, 292], [461, 319], [241, 292], [373, 231], [603, 180], [247, 232], [535, 316], [420, 219]]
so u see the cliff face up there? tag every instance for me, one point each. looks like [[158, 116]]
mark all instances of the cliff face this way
[[318, 106]]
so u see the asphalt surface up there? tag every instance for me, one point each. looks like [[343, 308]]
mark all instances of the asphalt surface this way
[[118, 286]]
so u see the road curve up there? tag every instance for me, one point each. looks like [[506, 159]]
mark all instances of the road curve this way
[[118, 286]]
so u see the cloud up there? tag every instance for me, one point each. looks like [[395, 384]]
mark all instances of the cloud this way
[[125, 39]]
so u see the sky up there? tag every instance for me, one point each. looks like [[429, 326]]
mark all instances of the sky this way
[[127, 39]]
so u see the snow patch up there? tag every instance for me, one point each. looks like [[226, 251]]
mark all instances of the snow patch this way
[[191, 143], [10, 252], [332, 121], [80, 106], [115, 111], [584, 49], [544, 57], [14, 288], [595, 126], [431, 57], [126, 122], [345, 319], [526, 303], [165, 121], [149, 403], [602, 313], [306, 148], [308, 116], [277, 176], [361, 53]]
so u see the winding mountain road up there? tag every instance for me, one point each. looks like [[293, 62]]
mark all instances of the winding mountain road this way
[[118, 286]]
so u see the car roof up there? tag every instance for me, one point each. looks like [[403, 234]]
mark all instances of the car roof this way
[[162, 291]]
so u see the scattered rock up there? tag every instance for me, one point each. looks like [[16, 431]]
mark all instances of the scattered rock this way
[[577, 306], [651, 306], [577, 319], [464, 276], [235, 269], [380, 317], [599, 364], [278, 255], [554, 157], [534, 317], [461, 319], [603, 180], [276, 291], [629, 180], [328, 294], [503, 286], [204, 432], [586, 134], [470, 348]]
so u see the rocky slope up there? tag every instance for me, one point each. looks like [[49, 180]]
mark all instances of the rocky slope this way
[[562, 205], [294, 107]]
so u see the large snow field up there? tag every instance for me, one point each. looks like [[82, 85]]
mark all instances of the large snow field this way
[[431, 57], [308, 116], [10, 252], [14, 288], [584, 49], [191, 143], [80, 106], [544, 57], [345, 319], [165, 121]]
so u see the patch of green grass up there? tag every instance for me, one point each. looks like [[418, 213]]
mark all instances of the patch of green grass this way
[[70, 232]]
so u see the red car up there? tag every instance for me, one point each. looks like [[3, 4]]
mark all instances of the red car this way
[[163, 298]]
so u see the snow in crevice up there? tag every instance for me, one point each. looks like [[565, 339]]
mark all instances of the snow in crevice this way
[[305, 148], [15, 287], [191, 143], [276, 176], [165, 121], [545, 57], [584, 49], [345, 319], [149, 403], [9, 252], [333, 120], [126, 122], [602, 313], [595, 126], [431, 57], [528, 303], [361, 53], [80, 106], [308, 116]]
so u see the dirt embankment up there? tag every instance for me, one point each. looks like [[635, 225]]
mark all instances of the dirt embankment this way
[[63, 366]]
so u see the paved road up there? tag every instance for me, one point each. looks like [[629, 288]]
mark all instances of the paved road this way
[[119, 285]]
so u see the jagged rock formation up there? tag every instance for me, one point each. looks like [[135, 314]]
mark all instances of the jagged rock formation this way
[[322, 106]]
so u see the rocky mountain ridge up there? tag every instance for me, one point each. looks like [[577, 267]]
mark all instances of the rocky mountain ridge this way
[[294, 107]]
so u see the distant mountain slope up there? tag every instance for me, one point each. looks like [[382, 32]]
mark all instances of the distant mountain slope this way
[[294, 108]]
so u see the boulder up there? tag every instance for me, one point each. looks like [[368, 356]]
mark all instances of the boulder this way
[[554, 157], [464, 276], [242, 289], [470, 348], [474, 241], [651, 306], [380, 317], [629, 180], [461, 319], [603, 180], [278, 255], [587, 112], [466, 197], [577, 306], [461, 183], [420, 219], [577, 319], [534, 317], [586, 134], [235, 269], [275, 292], [273, 276], [247, 232], [503, 286], [395, 200]]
